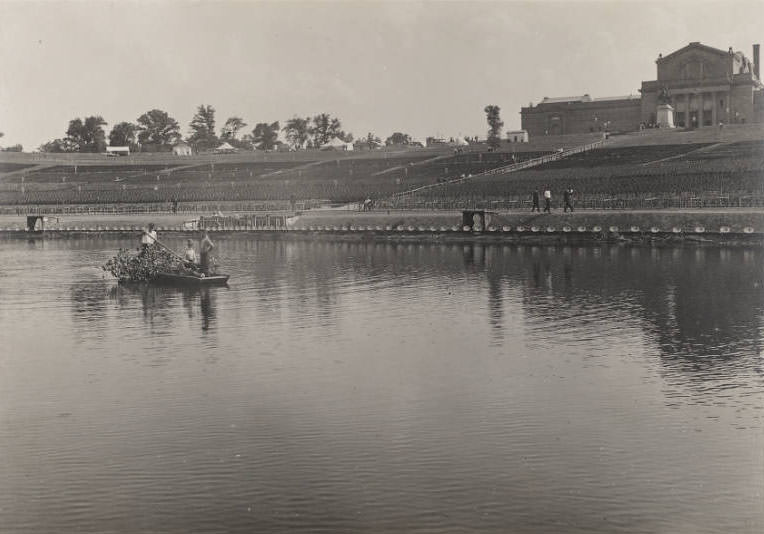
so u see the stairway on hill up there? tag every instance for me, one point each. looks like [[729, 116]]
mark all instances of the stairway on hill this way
[[507, 168]]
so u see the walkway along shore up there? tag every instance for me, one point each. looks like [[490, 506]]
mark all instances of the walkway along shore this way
[[722, 226]]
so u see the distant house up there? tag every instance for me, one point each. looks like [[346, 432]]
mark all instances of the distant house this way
[[436, 141], [117, 150], [517, 136], [181, 149], [225, 148], [366, 144], [337, 144]]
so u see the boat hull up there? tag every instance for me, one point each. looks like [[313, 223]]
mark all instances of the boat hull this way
[[188, 280]]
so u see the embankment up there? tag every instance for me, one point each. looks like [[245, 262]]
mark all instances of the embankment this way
[[723, 226]]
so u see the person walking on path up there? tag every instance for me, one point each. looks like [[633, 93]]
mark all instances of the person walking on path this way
[[547, 200], [204, 253], [568, 197], [535, 198]]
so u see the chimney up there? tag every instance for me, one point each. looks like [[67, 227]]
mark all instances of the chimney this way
[[756, 60]]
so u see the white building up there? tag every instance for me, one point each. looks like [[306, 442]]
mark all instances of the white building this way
[[181, 149], [517, 136]]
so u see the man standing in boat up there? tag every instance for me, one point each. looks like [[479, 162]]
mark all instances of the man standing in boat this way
[[204, 253], [148, 238]]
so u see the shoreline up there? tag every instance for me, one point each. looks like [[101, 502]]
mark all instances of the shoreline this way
[[701, 227]]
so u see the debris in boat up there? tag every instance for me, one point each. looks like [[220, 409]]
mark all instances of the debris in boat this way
[[144, 266]]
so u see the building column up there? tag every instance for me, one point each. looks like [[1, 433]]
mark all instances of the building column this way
[[714, 113], [700, 110]]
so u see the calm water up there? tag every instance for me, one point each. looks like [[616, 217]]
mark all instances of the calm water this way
[[344, 387]]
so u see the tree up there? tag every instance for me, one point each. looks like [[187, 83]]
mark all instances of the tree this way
[[265, 136], [398, 138], [123, 134], [157, 129], [203, 128], [369, 142], [324, 128], [372, 141], [246, 142], [296, 132], [87, 135], [495, 125], [58, 145], [231, 128], [13, 148]]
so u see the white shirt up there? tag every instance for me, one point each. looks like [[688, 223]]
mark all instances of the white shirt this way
[[547, 194], [149, 238], [190, 255]]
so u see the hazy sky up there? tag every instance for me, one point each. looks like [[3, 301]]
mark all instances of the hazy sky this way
[[423, 68]]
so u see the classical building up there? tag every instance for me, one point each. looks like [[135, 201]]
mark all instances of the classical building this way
[[705, 86]]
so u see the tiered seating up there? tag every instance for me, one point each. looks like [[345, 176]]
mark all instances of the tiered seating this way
[[10, 167], [618, 170], [725, 172]]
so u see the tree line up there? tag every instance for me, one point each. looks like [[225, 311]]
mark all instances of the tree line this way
[[14, 148], [157, 131]]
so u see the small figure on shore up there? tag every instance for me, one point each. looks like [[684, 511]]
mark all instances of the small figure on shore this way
[[148, 237], [547, 200], [204, 253], [535, 197], [568, 197]]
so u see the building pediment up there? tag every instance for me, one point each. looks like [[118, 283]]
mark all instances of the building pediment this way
[[695, 63], [696, 46]]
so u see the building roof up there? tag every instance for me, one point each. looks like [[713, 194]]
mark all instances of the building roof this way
[[609, 98], [563, 99], [695, 44]]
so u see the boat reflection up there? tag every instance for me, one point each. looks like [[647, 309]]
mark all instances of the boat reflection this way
[[158, 302]]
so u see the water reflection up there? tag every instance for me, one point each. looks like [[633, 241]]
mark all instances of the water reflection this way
[[701, 309], [158, 302], [337, 386]]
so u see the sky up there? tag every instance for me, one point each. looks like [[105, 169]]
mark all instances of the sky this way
[[422, 68]]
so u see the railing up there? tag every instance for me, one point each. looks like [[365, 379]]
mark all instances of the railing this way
[[162, 208], [589, 202], [505, 169]]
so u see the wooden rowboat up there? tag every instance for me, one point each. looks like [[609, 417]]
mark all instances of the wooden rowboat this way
[[190, 280]]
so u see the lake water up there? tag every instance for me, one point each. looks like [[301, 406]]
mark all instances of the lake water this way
[[361, 387]]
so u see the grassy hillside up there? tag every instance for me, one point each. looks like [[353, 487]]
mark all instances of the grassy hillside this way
[[652, 168]]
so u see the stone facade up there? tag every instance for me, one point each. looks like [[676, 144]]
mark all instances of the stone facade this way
[[706, 86], [581, 114]]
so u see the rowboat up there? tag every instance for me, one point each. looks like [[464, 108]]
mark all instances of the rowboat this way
[[190, 280]]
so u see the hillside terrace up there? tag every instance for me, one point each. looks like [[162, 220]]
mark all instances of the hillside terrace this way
[[725, 164]]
